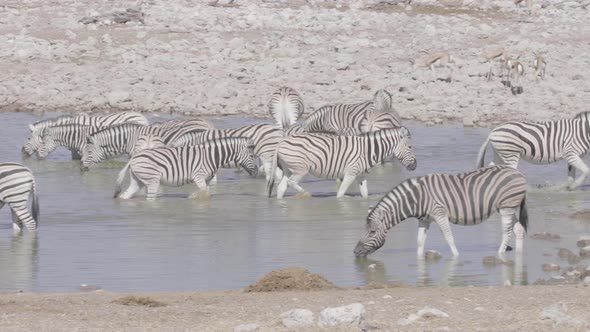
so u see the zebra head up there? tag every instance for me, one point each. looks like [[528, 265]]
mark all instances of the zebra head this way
[[403, 150], [246, 158], [33, 142], [48, 143], [376, 232], [92, 154]]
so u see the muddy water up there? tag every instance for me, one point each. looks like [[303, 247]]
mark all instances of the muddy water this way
[[176, 244]]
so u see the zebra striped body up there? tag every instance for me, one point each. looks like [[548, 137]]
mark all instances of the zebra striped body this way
[[182, 165], [121, 139], [339, 157], [463, 199], [286, 107], [34, 141], [362, 116], [17, 183], [542, 143], [264, 136], [71, 136], [146, 142]]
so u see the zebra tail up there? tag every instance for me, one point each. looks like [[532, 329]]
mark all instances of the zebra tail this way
[[120, 179], [273, 169], [35, 207], [482, 153], [523, 218]]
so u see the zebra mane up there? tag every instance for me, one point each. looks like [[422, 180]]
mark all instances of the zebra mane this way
[[583, 115], [53, 121]]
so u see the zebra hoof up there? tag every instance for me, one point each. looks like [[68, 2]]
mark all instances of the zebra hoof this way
[[508, 248], [304, 194]]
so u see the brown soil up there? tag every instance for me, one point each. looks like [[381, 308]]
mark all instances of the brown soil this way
[[289, 279]]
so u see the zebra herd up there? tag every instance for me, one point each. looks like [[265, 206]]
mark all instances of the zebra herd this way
[[339, 141]]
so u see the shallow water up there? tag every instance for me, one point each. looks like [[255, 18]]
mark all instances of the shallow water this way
[[176, 244]]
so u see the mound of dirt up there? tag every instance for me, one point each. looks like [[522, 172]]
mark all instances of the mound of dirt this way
[[290, 279]]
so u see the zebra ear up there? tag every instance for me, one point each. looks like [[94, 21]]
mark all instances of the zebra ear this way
[[31, 127]]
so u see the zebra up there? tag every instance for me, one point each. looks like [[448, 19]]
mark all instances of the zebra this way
[[338, 157], [462, 199], [338, 116], [34, 141], [264, 136], [121, 139], [378, 120], [182, 165], [286, 107], [71, 136], [17, 184], [543, 143], [148, 141]]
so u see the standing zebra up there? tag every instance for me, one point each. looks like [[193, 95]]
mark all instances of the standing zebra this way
[[336, 117], [72, 136], [17, 183], [121, 139], [182, 165], [264, 136], [338, 157], [543, 143], [286, 107], [145, 142], [101, 121], [463, 199]]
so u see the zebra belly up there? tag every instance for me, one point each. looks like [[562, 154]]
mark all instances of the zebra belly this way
[[542, 160]]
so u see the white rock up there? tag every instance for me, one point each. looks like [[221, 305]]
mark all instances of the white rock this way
[[350, 314], [558, 314], [246, 327], [117, 97], [587, 280], [426, 312], [412, 318], [371, 266], [297, 318], [386, 296]]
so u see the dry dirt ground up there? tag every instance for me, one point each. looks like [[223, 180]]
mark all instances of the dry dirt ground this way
[[192, 58], [469, 309]]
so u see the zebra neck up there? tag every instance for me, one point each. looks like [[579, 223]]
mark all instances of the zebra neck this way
[[221, 155], [406, 201], [379, 149]]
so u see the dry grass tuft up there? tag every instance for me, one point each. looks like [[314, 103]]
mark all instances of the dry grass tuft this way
[[139, 301]]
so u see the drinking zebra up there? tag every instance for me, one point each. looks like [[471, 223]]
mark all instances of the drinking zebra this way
[[543, 143], [462, 199], [121, 139], [336, 117], [182, 165], [286, 107], [34, 141], [338, 157], [264, 136], [72, 136], [17, 183]]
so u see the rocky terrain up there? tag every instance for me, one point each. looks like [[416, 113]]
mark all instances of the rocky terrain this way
[[199, 58]]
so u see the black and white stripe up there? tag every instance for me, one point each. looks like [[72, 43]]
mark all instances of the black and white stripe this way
[[182, 165], [286, 107], [542, 143], [71, 136], [264, 136], [462, 199], [34, 141], [334, 118], [121, 139], [17, 183], [338, 157]]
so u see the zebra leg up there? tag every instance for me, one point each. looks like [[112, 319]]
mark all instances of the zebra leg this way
[[364, 188], [577, 162], [571, 175], [17, 225], [203, 189], [20, 216], [346, 182], [293, 181], [519, 233], [445, 228], [423, 226], [134, 186], [508, 220], [152, 190]]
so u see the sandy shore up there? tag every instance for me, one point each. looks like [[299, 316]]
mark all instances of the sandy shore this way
[[191, 58], [469, 309]]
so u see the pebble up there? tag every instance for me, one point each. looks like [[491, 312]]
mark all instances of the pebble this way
[[88, 288], [584, 241], [585, 252], [551, 267], [491, 261], [432, 255], [297, 318], [386, 296], [351, 314], [425, 313]]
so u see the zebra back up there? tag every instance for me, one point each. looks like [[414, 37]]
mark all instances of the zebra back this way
[[286, 107], [173, 131], [338, 116]]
